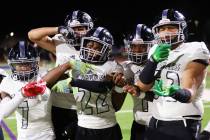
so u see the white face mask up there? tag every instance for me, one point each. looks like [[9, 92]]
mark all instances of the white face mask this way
[[170, 35]]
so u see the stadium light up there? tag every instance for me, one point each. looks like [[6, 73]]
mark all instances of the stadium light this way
[[11, 34]]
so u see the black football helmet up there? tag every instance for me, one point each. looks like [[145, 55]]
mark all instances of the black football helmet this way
[[23, 60], [78, 19], [96, 46], [143, 39], [174, 18]]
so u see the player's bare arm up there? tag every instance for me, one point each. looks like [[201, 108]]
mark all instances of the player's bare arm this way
[[41, 36], [55, 74], [193, 76], [118, 95]]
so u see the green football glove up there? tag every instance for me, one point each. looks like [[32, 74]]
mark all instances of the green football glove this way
[[81, 67], [173, 89], [161, 52], [62, 86], [164, 91], [158, 88]]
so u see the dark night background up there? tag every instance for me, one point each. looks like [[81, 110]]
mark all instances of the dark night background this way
[[119, 17]]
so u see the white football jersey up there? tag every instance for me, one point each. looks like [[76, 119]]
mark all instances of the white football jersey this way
[[33, 115], [167, 108], [64, 53], [95, 111], [142, 108]]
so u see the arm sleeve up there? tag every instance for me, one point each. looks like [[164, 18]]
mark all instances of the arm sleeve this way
[[8, 105], [93, 86]]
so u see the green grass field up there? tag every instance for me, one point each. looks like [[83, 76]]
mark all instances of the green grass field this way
[[125, 116]]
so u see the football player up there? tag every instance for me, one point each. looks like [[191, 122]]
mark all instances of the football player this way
[[178, 109], [65, 45], [32, 109], [137, 49], [96, 105]]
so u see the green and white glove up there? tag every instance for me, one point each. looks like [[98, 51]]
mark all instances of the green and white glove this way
[[161, 52], [81, 67], [62, 86], [164, 91]]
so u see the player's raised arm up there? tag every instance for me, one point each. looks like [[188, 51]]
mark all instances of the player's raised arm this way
[[41, 36]]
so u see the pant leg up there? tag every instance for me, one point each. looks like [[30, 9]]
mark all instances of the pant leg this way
[[111, 133], [168, 131], [64, 123], [194, 127], [138, 131]]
